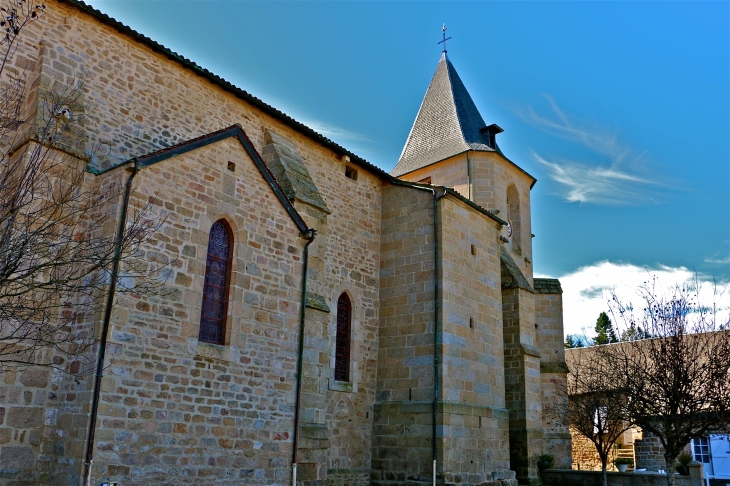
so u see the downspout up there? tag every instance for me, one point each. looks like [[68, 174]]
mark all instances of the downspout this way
[[309, 236], [436, 311], [468, 177], [105, 326]]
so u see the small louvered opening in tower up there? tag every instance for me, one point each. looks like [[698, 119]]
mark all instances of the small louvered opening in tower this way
[[490, 134]]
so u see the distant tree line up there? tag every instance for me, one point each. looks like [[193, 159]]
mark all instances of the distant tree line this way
[[606, 334]]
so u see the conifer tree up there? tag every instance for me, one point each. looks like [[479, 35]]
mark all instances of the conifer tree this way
[[604, 330]]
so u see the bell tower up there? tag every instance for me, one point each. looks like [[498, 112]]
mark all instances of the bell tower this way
[[450, 145]]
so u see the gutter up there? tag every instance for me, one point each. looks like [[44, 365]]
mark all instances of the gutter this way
[[105, 327], [468, 177], [436, 313], [309, 235]]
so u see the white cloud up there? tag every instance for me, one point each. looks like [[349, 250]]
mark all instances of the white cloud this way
[[616, 176], [587, 290]]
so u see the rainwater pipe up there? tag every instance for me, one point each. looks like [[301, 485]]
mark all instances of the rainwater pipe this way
[[105, 325], [309, 236], [468, 176], [436, 311]]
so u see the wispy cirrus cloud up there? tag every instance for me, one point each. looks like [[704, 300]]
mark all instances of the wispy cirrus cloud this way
[[719, 261], [720, 257], [599, 185], [614, 174]]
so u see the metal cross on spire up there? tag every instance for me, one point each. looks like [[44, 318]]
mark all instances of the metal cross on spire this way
[[443, 32]]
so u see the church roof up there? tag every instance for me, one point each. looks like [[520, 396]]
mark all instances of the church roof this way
[[448, 123], [226, 85]]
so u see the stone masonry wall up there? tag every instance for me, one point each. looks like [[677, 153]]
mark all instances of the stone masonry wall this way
[[402, 431], [29, 403], [474, 420], [584, 455], [491, 175], [174, 410], [447, 173], [142, 102], [522, 381], [43, 411], [649, 453], [553, 373]]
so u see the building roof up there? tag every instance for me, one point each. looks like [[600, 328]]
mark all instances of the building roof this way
[[547, 286], [249, 98], [227, 86], [448, 123]]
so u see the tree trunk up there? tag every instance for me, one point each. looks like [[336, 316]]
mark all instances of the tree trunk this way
[[604, 475], [670, 472]]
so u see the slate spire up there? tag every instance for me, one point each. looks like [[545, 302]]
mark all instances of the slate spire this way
[[448, 123]]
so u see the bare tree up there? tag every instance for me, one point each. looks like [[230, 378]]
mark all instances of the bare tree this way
[[56, 259], [677, 382], [592, 405]]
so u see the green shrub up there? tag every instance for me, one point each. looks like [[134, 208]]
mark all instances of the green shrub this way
[[623, 460], [684, 458]]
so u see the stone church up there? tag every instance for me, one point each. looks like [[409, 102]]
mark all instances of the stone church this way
[[322, 318]]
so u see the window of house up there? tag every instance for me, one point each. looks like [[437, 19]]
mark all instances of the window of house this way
[[342, 340], [701, 449], [217, 278]]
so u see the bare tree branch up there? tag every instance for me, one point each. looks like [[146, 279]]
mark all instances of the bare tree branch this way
[[55, 256], [592, 405], [678, 381]]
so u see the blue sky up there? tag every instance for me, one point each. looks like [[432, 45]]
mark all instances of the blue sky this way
[[619, 109]]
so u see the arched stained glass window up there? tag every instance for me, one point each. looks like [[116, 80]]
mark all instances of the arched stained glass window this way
[[342, 342], [217, 278]]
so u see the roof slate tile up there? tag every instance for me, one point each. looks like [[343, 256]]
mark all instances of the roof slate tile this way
[[448, 123]]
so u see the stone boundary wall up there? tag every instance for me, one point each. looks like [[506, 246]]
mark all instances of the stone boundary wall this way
[[569, 477], [649, 452]]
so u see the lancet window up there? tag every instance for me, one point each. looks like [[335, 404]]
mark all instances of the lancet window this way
[[342, 341], [217, 280]]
